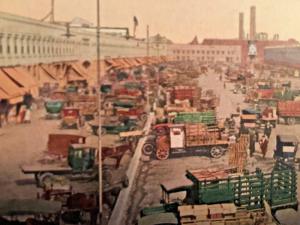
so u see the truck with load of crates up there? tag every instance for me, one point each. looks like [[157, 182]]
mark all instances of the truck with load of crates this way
[[220, 195], [187, 139], [289, 111]]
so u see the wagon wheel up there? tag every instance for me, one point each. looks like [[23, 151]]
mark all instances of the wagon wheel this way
[[132, 128], [162, 154], [216, 152], [42, 178], [103, 131], [163, 148], [148, 149], [291, 121], [144, 117]]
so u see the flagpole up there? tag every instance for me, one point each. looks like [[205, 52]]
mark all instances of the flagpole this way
[[99, 113]]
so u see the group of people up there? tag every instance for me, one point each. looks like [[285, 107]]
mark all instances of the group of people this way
[[263, 142], [23, 110]]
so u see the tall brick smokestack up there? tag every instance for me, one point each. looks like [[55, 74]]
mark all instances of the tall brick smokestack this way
[[252, 23], [241, 26]]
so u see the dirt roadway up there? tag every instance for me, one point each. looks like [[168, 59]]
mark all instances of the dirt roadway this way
[[24, 144]]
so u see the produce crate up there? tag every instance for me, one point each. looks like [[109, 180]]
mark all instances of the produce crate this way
[[207, 118], [250, 191]]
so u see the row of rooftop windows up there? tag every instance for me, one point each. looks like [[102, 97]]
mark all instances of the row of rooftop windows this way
[[37, 48], [217, 52], [227, 59], [9, 50]]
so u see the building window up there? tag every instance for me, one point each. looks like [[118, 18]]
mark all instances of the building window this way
[[193, 52], [187, 51], [212, 52], [22, 49], [39, 49], [222, 52], [217, 52], [1, 48], [198, 51], [8, 49], [178, 58], [16, 49], [33, 49], [207, 52], [183, 51]]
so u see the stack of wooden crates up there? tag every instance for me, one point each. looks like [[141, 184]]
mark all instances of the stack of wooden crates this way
[[238, 153], [198, 134], [221, 214]]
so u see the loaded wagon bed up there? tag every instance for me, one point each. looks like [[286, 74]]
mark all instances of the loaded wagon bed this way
[[42, 168]]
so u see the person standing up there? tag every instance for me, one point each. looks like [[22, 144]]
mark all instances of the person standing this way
[[28, 99], [264, 145], [268, 129], [252, 142]]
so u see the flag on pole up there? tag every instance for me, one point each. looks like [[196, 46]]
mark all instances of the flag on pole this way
[[135, 24], [135, 20]]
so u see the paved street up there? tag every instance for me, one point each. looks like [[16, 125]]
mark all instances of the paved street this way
[[146, 190]]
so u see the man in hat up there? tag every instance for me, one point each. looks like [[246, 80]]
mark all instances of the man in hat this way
[[268, 129], [252, 141], [263, 143]]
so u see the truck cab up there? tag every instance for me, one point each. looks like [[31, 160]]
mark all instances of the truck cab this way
[[286, 146], [81, 157]]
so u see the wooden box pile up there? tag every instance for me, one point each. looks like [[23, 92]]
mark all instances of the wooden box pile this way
[[220, 214], [238, 153], [207, 117], [183, 92], [198, 134]]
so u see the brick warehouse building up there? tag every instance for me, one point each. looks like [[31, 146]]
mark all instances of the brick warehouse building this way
[[260, 45]]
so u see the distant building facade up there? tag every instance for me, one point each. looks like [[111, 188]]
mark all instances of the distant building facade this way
[[260, 46], [283, 55], [25, 41], [205, 53]]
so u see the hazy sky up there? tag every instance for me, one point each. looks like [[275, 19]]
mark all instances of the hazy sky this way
[[180, 20]]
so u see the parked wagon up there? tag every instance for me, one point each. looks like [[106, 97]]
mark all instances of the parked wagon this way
[[132, 113], [289, 111], [186, 140], [70, 118], [53, 108], [113, 128], [286, 146]]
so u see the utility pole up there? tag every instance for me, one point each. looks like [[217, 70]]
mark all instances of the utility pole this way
[[52, 12], [148, 86], [147, 42], [99, 113]]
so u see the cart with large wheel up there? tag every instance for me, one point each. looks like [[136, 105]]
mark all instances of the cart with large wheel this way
[[174, 140]]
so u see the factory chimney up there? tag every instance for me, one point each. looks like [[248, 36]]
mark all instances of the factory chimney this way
[[252, 23], [241, 26]]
